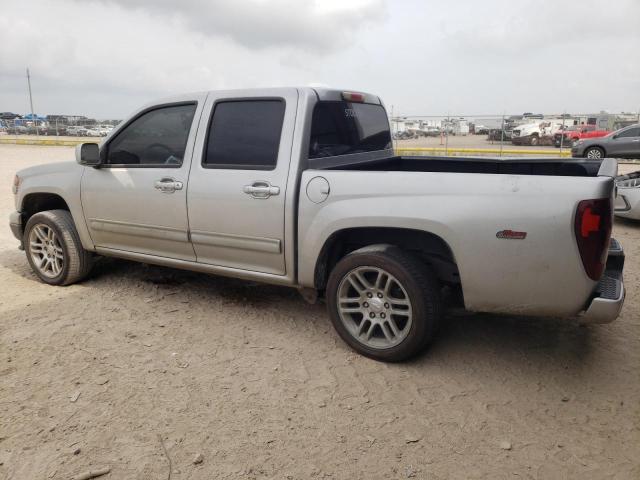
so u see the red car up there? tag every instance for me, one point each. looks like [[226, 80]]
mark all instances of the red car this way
[[576, 132]]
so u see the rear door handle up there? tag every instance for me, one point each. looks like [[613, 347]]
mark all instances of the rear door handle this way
[[261, 190], [168, 185]]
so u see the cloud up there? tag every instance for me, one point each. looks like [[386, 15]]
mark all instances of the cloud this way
[[319, 25], [525, 28], [82, 54], [424, 57]]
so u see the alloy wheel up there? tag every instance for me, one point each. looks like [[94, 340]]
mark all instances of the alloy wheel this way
[[46, 251], [374, 307]]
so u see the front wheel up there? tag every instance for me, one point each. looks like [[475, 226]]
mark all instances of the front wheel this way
[[384, 303], [53, 248], [594, 152]]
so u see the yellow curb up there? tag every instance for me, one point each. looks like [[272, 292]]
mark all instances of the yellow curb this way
[[483, 151]]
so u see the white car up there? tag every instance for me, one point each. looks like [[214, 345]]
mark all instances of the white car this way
[[93, 132], [628, 199], [105, 130], [74, 131]]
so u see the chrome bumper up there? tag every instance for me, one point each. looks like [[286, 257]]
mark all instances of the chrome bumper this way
[[609, 293]]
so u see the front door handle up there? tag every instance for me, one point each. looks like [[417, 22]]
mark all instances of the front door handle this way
[[168, 185], [261, 190]]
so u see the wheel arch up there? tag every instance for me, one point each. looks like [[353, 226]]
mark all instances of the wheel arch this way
[[597, 145], [33, 203], [429, 247]]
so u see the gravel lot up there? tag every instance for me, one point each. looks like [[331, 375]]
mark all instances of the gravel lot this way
[[142, 369]]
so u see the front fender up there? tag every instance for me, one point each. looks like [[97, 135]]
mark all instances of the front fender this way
[[61, 179]]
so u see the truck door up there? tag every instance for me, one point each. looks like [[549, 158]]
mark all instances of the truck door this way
[[238, 180], [137, 200], [625, 144]]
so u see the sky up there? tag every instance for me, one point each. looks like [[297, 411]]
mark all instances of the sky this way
[[105, 58]]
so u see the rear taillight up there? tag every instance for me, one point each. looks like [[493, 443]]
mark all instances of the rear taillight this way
[[593, 232], [353, 97]]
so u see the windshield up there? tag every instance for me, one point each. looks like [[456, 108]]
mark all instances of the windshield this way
[[341, 128]]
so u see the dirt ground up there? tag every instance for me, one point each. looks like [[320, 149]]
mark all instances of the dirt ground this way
[[142, 369]]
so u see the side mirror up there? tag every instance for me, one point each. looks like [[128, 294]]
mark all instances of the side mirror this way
[[88, 154]]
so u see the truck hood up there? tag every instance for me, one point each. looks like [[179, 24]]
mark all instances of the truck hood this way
[[530, 127], [68, 166]]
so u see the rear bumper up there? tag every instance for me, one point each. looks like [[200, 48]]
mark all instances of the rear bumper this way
[[609, 293], [628, 203]]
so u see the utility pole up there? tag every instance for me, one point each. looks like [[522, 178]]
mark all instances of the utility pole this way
[[564, 118], [35, 120]]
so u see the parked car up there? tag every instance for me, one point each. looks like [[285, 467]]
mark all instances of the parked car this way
[[301, 187], [104, 130], [623, 143], [498, 134], [92, 132], [628, 198], [60, 130], [76, 131], [39, 130], [574, 133]]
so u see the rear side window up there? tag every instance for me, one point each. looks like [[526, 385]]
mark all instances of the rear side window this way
[[155, 138], [245, 134], [341, 128], [632, 132]]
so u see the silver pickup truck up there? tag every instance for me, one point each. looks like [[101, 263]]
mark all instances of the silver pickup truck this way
[[301, 187]]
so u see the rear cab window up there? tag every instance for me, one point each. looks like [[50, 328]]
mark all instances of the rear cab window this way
[[340, 128]]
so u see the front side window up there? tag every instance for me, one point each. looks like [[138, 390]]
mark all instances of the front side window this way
[[156, 138], [631, 132], [342, 128], [245, 134]]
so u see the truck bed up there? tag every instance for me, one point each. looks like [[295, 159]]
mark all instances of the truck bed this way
[[506, 166]]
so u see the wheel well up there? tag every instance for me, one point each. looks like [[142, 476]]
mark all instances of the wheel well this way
[[430, 248], [39, 202], [596, 146]]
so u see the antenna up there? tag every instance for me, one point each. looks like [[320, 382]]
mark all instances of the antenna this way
[[33, 117]]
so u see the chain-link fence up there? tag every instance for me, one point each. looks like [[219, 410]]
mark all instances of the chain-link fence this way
[[501, 134], [57, 126], [492, 134]]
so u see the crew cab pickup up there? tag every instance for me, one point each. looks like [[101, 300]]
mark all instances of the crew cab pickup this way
[[301, 187]]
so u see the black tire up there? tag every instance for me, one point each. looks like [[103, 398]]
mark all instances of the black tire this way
[[594, 152], [76, 262], [533, 141], [422, 289]]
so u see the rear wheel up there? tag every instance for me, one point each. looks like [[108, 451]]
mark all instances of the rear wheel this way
[[54, 250], [384, 303], [594, 152]]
